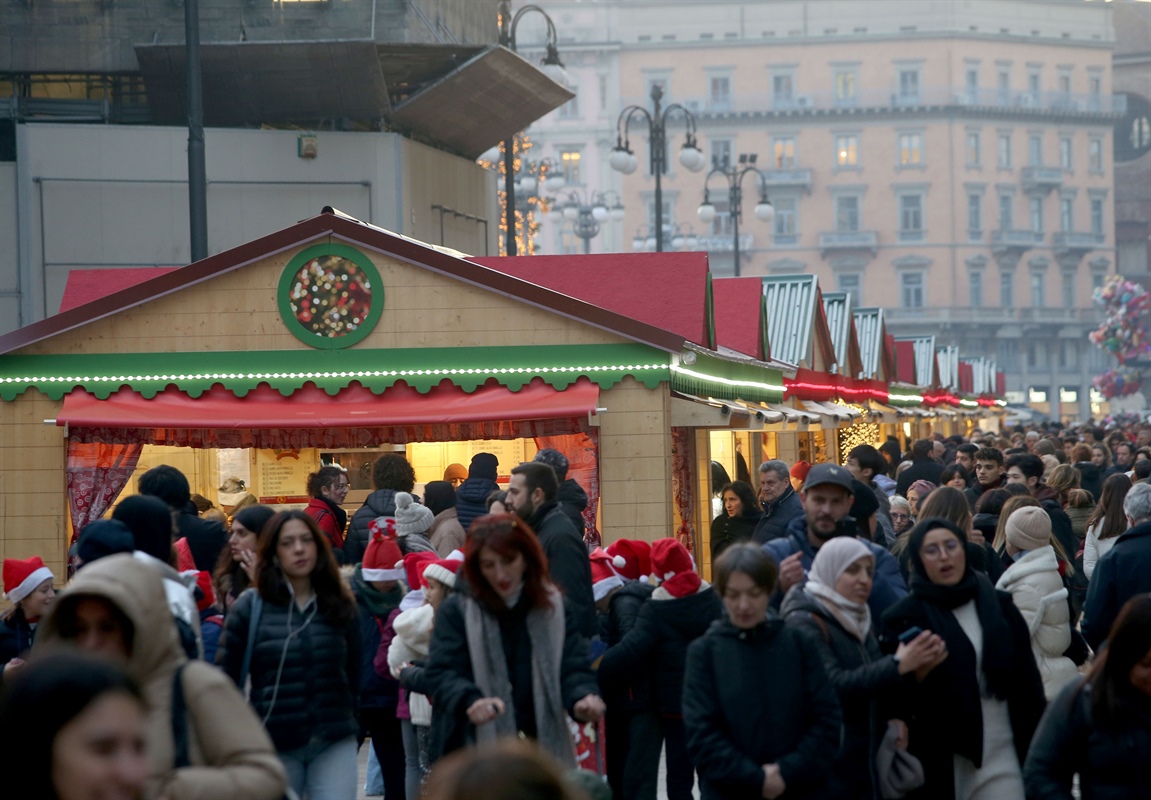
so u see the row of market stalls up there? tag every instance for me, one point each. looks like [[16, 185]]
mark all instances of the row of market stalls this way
[[333, 341]]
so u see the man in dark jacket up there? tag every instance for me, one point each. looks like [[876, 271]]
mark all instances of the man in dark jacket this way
[[472, 494], [1123, 572], [923, 467], [390, 474], [864, 462], [828, 494], [1027, 469], [989, 474], [532, 495], [205, 538], [780, 502], [570, 495]]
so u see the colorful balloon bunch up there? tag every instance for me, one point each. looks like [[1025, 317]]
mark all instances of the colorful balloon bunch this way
[[1118, 382], [1122, 334]]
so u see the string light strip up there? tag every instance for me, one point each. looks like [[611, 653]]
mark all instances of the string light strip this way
[[767, 387]]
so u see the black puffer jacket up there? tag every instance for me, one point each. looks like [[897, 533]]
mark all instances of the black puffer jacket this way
[[1090, 478], [657, 645], [316, 692], [633, 694], [726, 531], [573, 500], [380, 503], [758, 697], [863, 676], [568, 564], [472, 500], [1111, 764]]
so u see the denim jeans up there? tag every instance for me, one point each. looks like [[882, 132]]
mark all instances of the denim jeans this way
[[413, 773], [323, 770], [374, 779]]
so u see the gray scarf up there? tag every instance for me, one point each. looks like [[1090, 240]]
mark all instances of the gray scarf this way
[[490, 671]]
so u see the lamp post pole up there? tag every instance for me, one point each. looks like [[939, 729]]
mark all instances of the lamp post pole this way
[[764, 211], [586, 213], [623, 160], [508, 24]]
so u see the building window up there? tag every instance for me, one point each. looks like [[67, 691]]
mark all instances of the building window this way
[[720, 152], [1097, 280], [570, 164], [603, 92], [909, 86], [1006, 212], [972, 82], [1065, 153], [1066, 214], [1007, 289], [783, 90], [1036, 208], [975, 215], [786, 222], [847, 150], [783, 151], [720, 98], [974, 154], [1095, 155], [910, 149], [1069, 290], [1033, 87], [846, 87], [852, 285], [911, 289], [1097, 217], [1035, 150], [846, 214], [911, 217], [976, 288], [1095, 94], [1004, 151], [1003, 85], [1064, 84], [1038, 285]]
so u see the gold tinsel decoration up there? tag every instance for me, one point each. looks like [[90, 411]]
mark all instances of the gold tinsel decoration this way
[[527, 227]]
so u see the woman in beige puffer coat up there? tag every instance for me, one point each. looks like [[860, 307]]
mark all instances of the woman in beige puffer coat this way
[[1037, 590], [230, 754]]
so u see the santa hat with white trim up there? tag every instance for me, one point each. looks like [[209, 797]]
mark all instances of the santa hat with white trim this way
[[22, 577], [443, 571], [380, 559], [604, 577]]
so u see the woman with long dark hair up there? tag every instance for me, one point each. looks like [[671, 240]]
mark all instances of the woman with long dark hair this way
[[328, 488], [507, 658], [297, 636], [972, 716], [741, 513], [1099, 727], [30, 587], [236, 566], [1107, 523]]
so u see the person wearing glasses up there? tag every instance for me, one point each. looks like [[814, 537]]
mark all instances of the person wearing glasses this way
[[328, 488], [973, 715]]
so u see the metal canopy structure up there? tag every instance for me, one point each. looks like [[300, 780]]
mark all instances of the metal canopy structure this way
[[466, 98]]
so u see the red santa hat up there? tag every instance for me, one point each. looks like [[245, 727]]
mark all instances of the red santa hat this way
[[380, 559], [672, 565], [636, 555], [604, 577], [414, 565], [22, 577], [443, 571]]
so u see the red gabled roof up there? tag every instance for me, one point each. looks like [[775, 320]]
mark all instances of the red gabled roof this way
[[665, 290], [738, 305], [86, 285], [905, 362], [358, 233]]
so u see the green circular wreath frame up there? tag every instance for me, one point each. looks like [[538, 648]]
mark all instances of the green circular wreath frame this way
[[283, 296]]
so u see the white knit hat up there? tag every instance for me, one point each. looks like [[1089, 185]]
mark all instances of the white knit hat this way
[[1028, 528], [411, 517]]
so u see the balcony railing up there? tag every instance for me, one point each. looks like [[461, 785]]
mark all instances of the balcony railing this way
[[849, 240], [1015, 238], [723, 243], [988, 315], [787, 178], [1041, 178], [1069, 240], [750, 104]]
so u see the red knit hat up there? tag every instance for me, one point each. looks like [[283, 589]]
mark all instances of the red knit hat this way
[[604, 576], [204, 584], [800, 470], [414, 565], [22, 577], [380, 559], [671, 563], [637, 557], [443, 571]]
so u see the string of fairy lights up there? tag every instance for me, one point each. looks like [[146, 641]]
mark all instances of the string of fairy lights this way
[[527, 207]]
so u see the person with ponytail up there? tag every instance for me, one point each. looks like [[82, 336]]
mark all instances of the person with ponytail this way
[[328, 488], [972, 716]]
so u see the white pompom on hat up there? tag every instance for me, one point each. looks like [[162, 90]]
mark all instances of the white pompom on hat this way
[[411, 517], [604, 577], [380, 559]]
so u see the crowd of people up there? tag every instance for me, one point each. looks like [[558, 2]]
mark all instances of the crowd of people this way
[[954, 618]]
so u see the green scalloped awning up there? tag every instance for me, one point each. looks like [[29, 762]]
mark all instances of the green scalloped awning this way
[[288, 370], [728, 380]]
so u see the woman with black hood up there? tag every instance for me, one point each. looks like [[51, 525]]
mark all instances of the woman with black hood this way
[[972, 718]]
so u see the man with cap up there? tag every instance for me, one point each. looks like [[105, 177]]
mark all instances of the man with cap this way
[[455, 474], [472, 494], [571, 496], [828, 495]]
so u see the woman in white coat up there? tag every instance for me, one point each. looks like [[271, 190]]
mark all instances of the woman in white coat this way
[[1037, 590]]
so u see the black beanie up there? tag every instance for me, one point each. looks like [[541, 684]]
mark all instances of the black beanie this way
[[104, 537], [439, 496], [484, 465], [150, 521]]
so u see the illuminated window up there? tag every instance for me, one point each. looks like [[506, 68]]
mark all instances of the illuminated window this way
[[910, 149], [847, 150], [570, 164], [846, 87], [784, 152]]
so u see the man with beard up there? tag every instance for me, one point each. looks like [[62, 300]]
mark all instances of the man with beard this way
[[828, 494], [532, 496]]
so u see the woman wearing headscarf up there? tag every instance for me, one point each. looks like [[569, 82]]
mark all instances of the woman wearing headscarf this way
[[831, 612], [972, 718], [446, 533]]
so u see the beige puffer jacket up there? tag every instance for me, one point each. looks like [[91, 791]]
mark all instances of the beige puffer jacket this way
[[230, 752], [1038, 592]]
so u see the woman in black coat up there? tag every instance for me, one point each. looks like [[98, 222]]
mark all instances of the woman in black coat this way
[[970, 718], [741, 513], [1099, 728], [760, 715], [506, 656], [831, 612]]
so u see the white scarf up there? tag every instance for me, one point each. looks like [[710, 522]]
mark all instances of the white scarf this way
[[854, 617]]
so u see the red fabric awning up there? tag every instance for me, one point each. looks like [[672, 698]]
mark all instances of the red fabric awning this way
[[310, 417]]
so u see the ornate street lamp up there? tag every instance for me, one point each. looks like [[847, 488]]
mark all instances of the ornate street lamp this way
[[623, 160], [681, 236], [764, 211], [586, 213]]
